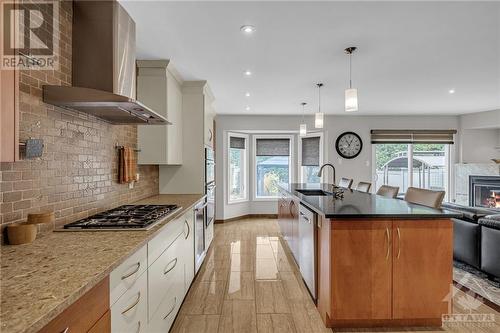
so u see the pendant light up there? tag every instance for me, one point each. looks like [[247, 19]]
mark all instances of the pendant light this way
[[351, 94], [319, 116], [303, 126]]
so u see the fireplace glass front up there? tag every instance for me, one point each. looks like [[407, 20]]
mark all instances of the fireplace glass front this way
[[484, 191]]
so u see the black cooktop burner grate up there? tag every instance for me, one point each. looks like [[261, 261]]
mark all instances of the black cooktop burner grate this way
[[124, 217]]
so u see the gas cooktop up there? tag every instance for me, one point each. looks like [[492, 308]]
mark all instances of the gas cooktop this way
[[138, 217]]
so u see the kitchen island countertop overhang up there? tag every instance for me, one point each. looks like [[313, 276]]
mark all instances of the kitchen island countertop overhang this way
[[357, 204]]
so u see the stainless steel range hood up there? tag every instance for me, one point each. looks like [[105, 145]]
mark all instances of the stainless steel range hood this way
[[103, 73]]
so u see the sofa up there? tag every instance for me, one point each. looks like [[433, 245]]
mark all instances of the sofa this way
[[471, 244], [490, 244]]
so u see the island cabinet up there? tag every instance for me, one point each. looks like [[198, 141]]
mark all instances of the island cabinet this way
[[384, 272], [288, 220]]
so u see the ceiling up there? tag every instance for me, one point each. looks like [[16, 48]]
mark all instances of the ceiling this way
[[410, 54]]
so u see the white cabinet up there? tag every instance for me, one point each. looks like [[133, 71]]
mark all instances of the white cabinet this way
[[188, 250], [165, 273], [160, 87], [148, 288], [209, 118], [125, 276], [130, 312], [198, 127]]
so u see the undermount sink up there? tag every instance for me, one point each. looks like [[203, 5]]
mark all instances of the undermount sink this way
[[314, 192]]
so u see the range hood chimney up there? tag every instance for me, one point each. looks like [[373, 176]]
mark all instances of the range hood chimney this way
[[103, 73]]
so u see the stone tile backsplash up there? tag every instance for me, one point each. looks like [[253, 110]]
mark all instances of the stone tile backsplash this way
[[77, 174]]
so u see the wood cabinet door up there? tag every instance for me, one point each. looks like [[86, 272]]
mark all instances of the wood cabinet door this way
[[361, 269], [9, 115], [422, 268], [84, 313]]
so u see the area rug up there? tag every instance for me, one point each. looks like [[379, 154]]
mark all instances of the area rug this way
[[477, 282]]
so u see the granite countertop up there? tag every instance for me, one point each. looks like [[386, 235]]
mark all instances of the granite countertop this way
[[357, 204], [41, 279]]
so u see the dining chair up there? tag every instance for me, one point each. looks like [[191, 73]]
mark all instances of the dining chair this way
[[424, 197], [363, 187], [345, 182], [388, 191]]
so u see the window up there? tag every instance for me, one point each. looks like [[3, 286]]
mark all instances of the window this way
[[310, 153], [237, 161], [272, 164], [419, 158]]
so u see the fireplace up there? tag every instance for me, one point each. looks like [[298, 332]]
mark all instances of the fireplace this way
[[484, 191]]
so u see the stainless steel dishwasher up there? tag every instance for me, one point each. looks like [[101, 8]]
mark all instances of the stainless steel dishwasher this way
[[307, 248]]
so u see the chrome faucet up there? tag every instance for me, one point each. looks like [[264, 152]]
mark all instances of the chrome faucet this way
[[320, 172]]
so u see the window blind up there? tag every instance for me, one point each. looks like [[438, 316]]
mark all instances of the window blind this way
[[413, 136], [310, 151], [236, 142], [273, 147]]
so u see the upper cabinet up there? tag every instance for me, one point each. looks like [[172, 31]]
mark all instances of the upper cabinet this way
[[9, 116], [209, 117], [160, 87]]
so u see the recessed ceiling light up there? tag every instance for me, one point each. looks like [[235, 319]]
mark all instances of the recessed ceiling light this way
[[247, 108], [247, 94], [451, 91], [248, 73], [248, 29]]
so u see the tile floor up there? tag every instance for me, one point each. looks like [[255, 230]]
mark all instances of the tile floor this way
[[250, 283]]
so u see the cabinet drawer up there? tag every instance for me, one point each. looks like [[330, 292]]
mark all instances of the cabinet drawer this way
[[73, 319], [129, 313], [166, 272], [164, 239], [165, 316], [124, 276]]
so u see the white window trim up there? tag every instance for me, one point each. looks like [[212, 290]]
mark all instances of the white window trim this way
[[291, 173], [299, 153], [245, 168]]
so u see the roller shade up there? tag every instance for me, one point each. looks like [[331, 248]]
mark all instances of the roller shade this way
[[310, 151], [273, 147], [236, 142], [413, 136]]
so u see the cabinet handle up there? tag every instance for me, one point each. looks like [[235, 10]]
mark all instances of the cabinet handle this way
[[172, 309], [138, 265], [388, 243], [399, 243], [200, 208], [66, 330], [189, 229], [133, 305], [292, 203], [171, 268], [305, 217], [139, 326]]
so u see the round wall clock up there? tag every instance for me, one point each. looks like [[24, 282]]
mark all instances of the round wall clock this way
[[348, 145]]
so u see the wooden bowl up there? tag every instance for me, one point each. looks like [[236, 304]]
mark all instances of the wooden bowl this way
[[21, 233], [36, 218]]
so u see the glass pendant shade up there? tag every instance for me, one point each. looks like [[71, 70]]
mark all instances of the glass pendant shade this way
[[303, 130], [319, 119], [351, 100]]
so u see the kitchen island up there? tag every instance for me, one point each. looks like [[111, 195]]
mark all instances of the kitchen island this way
[[379, 261]]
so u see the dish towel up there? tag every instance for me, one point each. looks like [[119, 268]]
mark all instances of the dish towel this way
[[127, 165]]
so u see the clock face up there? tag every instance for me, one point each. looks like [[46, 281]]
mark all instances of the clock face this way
[[348, 145]]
